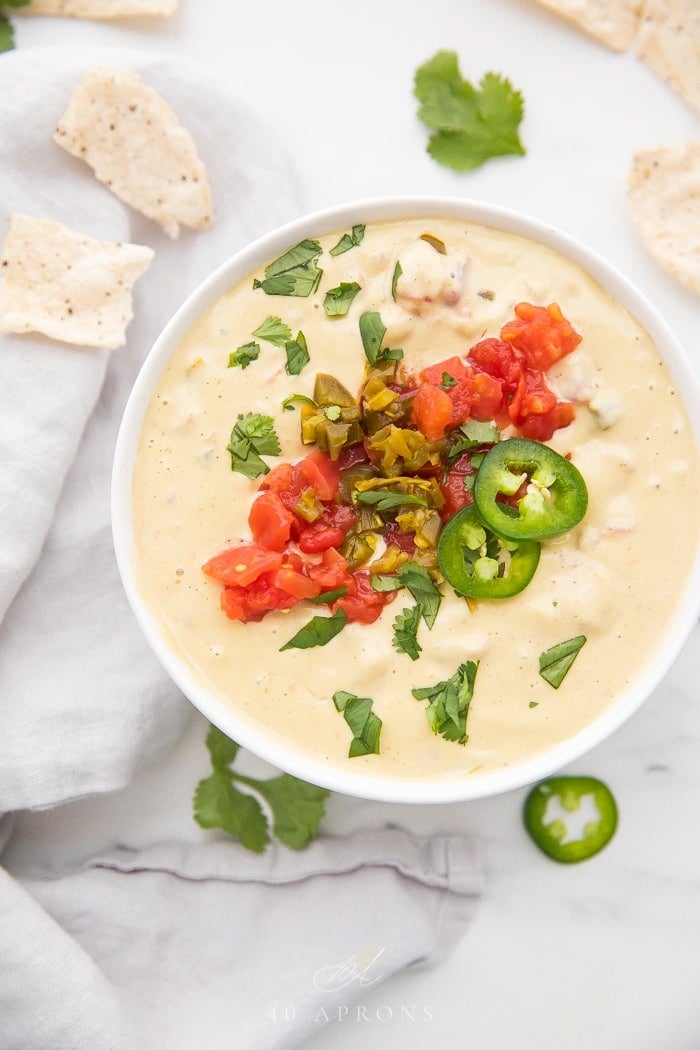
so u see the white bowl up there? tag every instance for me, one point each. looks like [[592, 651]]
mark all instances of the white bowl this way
[[392, 789]]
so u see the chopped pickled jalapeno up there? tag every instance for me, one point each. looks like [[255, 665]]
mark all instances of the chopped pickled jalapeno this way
[[480, 564], [526, 491], [570, 818]]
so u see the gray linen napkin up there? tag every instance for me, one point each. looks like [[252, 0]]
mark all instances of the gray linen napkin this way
[[152, 949]]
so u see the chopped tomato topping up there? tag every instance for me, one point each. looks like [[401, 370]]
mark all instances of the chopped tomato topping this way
[[542, 333], [295, 583], [270, 522], [251, 603], [454, 367], [362, 604], [500, 360], [319, 537], [541, 428], [240, 566], [331, 571], [322, 474], [431, 411], [456, 495]]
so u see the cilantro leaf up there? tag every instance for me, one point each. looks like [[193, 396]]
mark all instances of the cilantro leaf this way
[[338, 300], [419, 583], [293, 273], [253, 436], [218, 804], [470, 125], [473, 434], [405, 638], [364, 724], [386, 499], [273, 330], [448, 702], [328, 597], [243, 356], [297, 355], [7, 34], [555, 663], [296, 807], [348, 240], [395, 279], [372, 332], [318, 631]]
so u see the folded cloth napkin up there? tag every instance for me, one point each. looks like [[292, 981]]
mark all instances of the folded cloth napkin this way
[[185, 946], [153, 948]]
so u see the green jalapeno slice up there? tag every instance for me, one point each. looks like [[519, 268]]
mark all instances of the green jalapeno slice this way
[[480, 564], [524, 490], [553, 806]]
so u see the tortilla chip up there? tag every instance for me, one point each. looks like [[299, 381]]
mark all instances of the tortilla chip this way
[[664, 194], [611, 22], [101, 9], [66, 285], [669, 43], [135, 145]]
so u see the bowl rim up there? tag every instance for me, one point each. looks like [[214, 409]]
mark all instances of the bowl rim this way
[[253, 255]]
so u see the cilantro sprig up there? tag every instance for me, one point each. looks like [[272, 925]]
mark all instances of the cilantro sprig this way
[[366, 727], [294, 273], [448, 702], [427, 596], [253, 436], [555, 663], [348, 240], [320, 630], [372, 332], [469, 125], [296, 807], [7, 34]]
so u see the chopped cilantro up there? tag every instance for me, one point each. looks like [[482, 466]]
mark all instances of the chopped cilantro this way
[[469, 125], [253, 436], [273, 330], [318, 631], [448, 702], [297, 355], [386, 500], [243, 356], [447, 381], [349, 240], [555, 663], [372, 332], [7, 36], [405, 638], [418, 582], [294, 273], [296, 807], [338, 300], [364, 724], [395, 279]]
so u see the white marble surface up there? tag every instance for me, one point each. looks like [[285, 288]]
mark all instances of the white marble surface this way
[[601, 955]]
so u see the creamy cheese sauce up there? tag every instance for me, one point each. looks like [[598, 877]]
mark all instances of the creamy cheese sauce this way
[[616, 578]]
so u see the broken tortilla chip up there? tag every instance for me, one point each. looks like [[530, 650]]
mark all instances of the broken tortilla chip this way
[[135, 144], [611, 22], [66, 285], [101, 9], [669, 43], [664, 195]]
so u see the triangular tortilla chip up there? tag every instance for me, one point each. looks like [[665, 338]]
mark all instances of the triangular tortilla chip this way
[[135, 145], [669, 43], [66, 285], [612, 22], [664, 194], [101, 9]]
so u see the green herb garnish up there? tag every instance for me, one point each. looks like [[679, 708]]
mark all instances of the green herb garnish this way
[[253, 436], [297, 807], [349, 240], [329, 596], [405, 638], [243, 356], [395, 279], [364, 724], [372, 332], [384, 499], [338, 300], [7, 35], [448, 702], [318, 631], [297, 355], [555, 663], [469, 125], [471, 435], [294, 273], [274, 330], [447, 381]]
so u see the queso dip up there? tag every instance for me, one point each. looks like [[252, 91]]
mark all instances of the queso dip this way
[[439, 286]]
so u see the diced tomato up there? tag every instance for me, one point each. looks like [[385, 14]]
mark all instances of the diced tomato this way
[[456, 495], [487, 396], [393, 536], [295, 583], [241, 566], [452, 366], [500, 360], [541, 427], [321, 474], [542, 333], [532, 397], [351, 455], [362, 604], [331, 571], [431, 411], [251, 603], [320, 537], [270, 522], [287, 481]]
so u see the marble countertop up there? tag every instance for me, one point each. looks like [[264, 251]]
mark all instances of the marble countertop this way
[[602, 954]]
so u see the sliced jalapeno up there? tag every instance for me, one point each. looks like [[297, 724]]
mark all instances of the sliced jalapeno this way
[[480, 564], [524, 490], [551, 810]]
